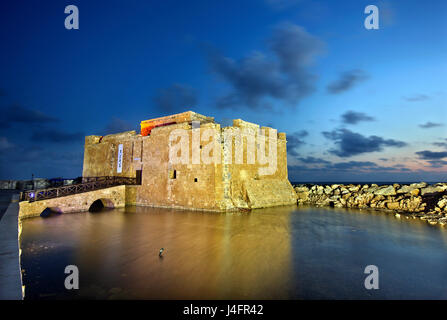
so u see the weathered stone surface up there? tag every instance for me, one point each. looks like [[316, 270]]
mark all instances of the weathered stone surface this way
[[442, 203], [419, 185], [320, 190], [385, 191], [406, 200], [114, 197], [433, 189], [393, 205], [302, 193], [354, 188], [406, 189], [269, 193], [328, 190], [224, 184], [301, 189]]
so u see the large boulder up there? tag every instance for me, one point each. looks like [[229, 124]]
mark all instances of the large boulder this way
[[407, 189], [385, 191], [328, 190], [302, 193], [392, 205], [320, 190], [419, 185], [442, 203], [354, 188], [372, 189], [301, 189], [433, 189]]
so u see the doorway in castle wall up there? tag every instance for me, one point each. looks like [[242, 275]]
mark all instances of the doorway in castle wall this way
[[138, 174]]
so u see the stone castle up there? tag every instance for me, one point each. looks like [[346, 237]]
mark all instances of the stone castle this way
[[243, 182]]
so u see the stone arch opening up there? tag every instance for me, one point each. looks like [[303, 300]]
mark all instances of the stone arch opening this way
[[100, 205], [50, 211]]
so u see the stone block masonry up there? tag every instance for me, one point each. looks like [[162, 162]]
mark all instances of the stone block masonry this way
[[113, 197], [219, 185]]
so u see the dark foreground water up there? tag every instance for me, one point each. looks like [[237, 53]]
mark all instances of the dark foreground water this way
[[280, 253]]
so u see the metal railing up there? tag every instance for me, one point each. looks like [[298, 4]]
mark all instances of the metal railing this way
[[88, 184]]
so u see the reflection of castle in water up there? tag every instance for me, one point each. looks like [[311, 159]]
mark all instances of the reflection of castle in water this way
[[208, 255]]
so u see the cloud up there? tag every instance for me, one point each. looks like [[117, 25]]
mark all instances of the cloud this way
[[353, 165], [431, 155], [347, 80], [176, 98], [327, 167], [5, 144], [282, 74], [301, 134], [20, 114], [117, 125], [295, 48], [352, 117], [314, 160], [56, 136], [437, 163], [313, 167], [417, 97], [429, 125], [39, 155], [350, 143], [294, 141], [305, 173], [440, 144], [22, 160]]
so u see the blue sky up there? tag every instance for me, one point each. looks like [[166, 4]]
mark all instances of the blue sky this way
[[357, 104]]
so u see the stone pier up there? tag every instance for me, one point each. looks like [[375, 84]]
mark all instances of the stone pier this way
[[10, 270]]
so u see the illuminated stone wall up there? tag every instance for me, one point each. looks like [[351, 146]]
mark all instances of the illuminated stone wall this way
[[204, 186], [113, 197]]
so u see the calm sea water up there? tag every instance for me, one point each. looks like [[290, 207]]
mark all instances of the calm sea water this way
[[280, 253]]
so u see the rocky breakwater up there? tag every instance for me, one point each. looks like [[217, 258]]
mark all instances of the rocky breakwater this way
[[416, 200]]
